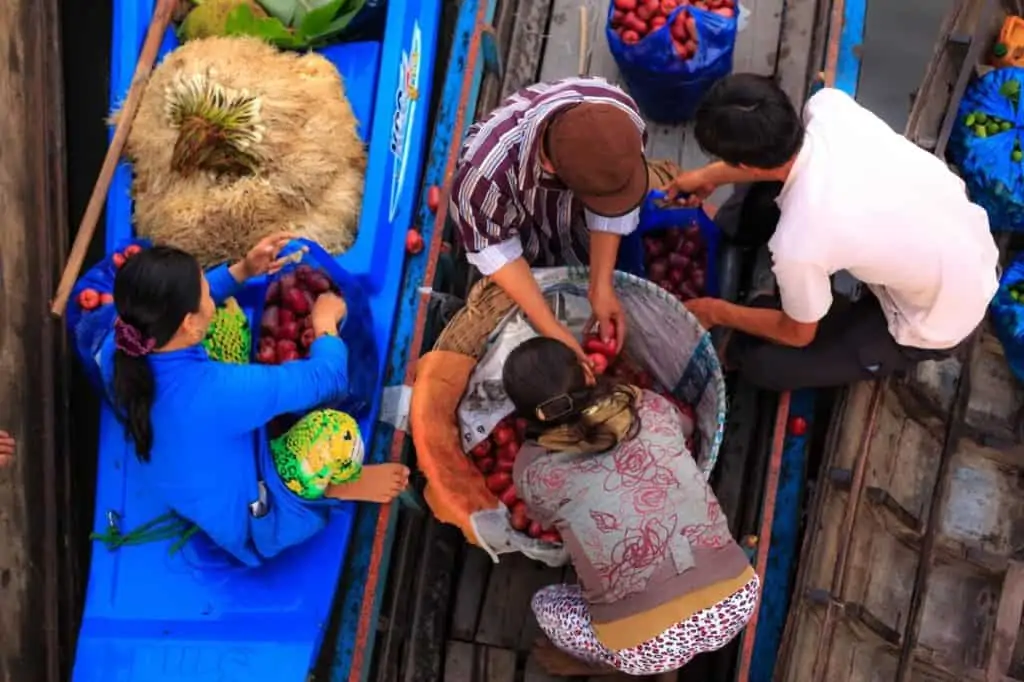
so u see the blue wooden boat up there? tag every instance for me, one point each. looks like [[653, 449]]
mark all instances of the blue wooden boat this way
[[154, 616]]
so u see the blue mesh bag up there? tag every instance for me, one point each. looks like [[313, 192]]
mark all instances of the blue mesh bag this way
[[666, 87], [986, 147], [1007, 310]]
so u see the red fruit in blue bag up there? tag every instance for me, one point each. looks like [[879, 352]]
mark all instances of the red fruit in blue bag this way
[[318, 283], [88, 299], [295, 300], [625, 5], [288, 331], [273, 292], [266, 353], [270, 320], [308, 337], [287, 350], [287, 281], [657, 22]]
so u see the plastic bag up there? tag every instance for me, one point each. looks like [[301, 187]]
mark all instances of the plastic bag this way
[[666, 87], [655, 217], [986, 146], [1008, 315], [356, 330], [666, 340], [89, 327]]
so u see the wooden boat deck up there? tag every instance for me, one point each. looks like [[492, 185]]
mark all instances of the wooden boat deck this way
[[448, 613], [913, 567]]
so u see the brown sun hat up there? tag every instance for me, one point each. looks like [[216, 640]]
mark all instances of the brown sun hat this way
[[597, 151]]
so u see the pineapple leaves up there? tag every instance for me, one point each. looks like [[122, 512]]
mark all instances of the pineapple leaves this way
[[295, 24]]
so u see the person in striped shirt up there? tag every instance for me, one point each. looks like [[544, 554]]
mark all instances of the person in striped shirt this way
[[554, 176]]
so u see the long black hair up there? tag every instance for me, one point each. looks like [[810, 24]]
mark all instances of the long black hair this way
[[545, 373], [154, 291]]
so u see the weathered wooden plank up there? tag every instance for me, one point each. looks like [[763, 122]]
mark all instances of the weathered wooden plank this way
[[32, 202], [396, 607], [508, 621], [757, 45], [469, 595], [491, 88], [460, 662], [534, 672], [499, 665], [527, 50]]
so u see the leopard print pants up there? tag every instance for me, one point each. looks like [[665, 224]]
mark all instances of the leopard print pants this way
[[564, 617]]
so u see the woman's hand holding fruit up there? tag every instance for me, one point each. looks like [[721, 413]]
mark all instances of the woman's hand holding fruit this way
[[262, 259], [328, 312]]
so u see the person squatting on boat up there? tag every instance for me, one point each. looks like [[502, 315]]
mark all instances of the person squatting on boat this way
[[661, 578], [854, 195], [193, 421], [554, 176]]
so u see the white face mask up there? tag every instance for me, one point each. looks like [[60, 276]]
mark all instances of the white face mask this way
[[623, 224]]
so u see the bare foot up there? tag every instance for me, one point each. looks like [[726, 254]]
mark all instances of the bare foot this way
[[376, 483], [556, 662]]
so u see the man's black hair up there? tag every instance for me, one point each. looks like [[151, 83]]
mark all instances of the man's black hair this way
[[745, 119]]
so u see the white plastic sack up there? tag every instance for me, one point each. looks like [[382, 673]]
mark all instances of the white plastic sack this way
[[662, 337]]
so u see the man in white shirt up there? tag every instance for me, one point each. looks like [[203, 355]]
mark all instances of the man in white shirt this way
[[856, 196]]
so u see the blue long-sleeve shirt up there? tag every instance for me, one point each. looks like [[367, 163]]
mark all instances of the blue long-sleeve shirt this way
[[207, 458]]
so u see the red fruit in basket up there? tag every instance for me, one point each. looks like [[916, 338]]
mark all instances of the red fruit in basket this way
[[653, 247], [508, 496], [535, 530], [687, 248], [552, 537], [485, 464], [518, 519], [504, 464], [287, 350], [132, 250], [598, 363], [503, 433], [307, 338], [482, 449], [295, 300], [270, 321], [678, 260], [498, 483], [657, 270], [797, 426], [507, 451], [691, 232]]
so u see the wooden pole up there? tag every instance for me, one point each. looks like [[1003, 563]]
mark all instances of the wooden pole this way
[[87, 228]]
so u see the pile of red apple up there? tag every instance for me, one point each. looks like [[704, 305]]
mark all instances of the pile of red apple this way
[[91, 299], [633, 20], [286, 329], [495, 457], [677, 261]]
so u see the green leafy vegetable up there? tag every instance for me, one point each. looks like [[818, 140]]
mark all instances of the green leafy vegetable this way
[[295, 24]]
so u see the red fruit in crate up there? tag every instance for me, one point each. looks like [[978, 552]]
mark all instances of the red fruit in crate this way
[[117, 259], [505, 464], [302, 273], [503, 433], [106, 299], [132, 250], [797, 426], [286, 281], [498, 483], [535, 530], [698, 280], [482, 449], [88, 299], [653, 247], [295, 300], [485, 464], [678, 261], [598, 363], [284, 316], [413, 242], [521, 428], [519, 520], [552, 537], [267, 352], [318, 283], [508, 496], [308, 337]]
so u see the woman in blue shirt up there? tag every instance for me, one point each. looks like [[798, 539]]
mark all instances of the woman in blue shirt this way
[[194, 422]]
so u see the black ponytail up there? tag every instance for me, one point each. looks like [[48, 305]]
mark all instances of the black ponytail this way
[[153, 292], [543, 372]]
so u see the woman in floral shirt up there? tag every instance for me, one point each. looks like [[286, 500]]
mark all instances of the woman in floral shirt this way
[[661, 578]]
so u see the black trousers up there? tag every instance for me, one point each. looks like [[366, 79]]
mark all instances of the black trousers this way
[[853, 344]]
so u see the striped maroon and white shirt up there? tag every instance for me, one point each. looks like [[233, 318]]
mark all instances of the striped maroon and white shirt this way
[[505, 205]]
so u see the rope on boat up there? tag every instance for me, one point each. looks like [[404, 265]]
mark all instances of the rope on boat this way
[[167, 526]]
